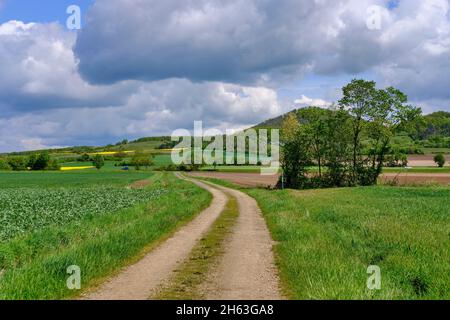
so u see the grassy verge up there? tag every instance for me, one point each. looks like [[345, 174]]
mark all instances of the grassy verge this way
[[34, 266], [328, 238], [185, 284]]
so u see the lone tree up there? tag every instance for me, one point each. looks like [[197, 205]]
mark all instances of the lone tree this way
[[98, 161], [440, 160]]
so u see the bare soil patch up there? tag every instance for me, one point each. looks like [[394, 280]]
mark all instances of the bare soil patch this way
[[417, 178], [257, 180], [424, 161], [240, 178], [139, 184]]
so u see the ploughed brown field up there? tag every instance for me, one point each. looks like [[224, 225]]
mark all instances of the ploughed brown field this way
[[423, 161], [258, 180]]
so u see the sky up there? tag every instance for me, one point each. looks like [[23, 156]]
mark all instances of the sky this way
[[141, 68]]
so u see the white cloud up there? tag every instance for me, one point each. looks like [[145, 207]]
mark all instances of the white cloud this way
[[15, 27], [265, 43], [417, 49], [39, 71], [305, 101], [238, 40], [159, 65], [155, 108], [45, 102], [34, 144]]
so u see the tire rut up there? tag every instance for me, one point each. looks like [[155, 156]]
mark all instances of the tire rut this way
[[247, 270]]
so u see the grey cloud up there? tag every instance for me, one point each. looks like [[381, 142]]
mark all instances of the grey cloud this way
[[154, 66], [39, 71], [265, 42], [419, 58], [155, 108], [237, 40]]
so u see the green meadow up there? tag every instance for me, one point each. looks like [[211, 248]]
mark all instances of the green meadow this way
[[52, 179], [327, 239]]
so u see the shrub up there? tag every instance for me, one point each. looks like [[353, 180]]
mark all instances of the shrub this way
[[4, 165], [41, 161], [440, 160], [120, 156], [53, 165], [167, 145], [181, 167], [98, 161], [84, 158], [397, 159], [18, 163]]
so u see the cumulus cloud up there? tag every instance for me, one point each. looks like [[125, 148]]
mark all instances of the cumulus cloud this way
[[147, 67], [35, 144], [236, 40], [44, 102], [154, 109], [265, 42], [418, 60], [39, 71], [306, 101]]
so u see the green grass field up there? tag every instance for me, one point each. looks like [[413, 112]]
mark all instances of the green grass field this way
[[58, 179], [328, 238], [159, 160], [162, 159], [24, 210], [33, 263], [436, 150]]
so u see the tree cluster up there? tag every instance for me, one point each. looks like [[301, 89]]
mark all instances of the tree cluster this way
[[349, 142], [41, 161]]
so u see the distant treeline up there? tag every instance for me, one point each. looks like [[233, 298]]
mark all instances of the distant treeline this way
[[35, 161]]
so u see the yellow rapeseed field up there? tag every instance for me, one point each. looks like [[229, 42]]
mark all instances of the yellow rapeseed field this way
[[173, 149], [108, 153], [76, 168]]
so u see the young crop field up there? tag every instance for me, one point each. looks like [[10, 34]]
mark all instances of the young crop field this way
[[83, 178], [50, 221], [28, 209]]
